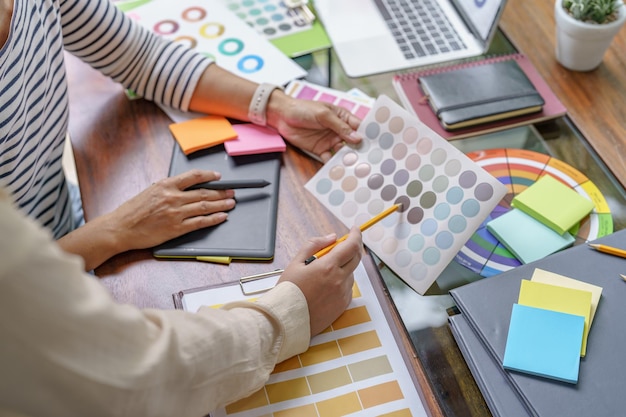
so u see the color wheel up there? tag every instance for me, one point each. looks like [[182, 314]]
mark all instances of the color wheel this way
[[518, 169]]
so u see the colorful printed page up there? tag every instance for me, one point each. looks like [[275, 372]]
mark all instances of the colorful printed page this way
[[252, 139], [547, 277], [557, 298], [544, 343], [211, 29], [202, 133], [527, 238], [353, 368], [445, 196], [355, 101], [553, 203]]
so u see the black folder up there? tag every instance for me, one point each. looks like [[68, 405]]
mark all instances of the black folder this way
[[250, 231]]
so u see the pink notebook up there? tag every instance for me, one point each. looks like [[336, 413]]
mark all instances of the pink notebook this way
[[414, 100]]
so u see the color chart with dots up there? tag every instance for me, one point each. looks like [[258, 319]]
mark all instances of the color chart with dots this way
[[270, 18], [210, 28], [353, 368], [445, 196]]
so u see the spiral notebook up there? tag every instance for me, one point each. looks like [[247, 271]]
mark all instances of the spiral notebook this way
[[414, 100]]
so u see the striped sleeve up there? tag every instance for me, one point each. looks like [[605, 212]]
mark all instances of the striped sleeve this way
[[157, 69]]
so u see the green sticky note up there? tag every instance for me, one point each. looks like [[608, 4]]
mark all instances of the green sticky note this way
[[544, 342], [553, 203]]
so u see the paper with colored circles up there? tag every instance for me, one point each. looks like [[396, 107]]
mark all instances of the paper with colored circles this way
[[445, 195], [210, 28]]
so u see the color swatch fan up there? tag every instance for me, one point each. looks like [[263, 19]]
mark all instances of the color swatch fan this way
[[445, 196]]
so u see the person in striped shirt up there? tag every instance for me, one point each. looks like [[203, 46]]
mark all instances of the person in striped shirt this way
[[34, 118]]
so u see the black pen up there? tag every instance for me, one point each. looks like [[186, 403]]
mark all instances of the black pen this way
[[229, 184]]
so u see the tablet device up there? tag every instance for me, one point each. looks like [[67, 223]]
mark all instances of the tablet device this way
[[250, 231]]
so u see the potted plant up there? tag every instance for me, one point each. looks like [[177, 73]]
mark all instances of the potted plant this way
[[585, 29]]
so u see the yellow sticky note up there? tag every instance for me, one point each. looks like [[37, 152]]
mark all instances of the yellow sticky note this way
[[558, 298], [547, 277], [203, 132]]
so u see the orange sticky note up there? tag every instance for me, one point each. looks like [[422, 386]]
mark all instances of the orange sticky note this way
[[203, 132]]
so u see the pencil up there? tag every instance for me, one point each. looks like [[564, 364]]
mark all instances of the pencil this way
[[363, 227], [229, 184], [609, 249]]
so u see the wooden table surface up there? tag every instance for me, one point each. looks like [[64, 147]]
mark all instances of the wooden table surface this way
[[122, 146]]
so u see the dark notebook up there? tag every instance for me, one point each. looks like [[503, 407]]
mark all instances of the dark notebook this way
[[480, 93], [250, 231], [487, 304]]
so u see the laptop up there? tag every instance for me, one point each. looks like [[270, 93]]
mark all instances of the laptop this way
[[376, 36]]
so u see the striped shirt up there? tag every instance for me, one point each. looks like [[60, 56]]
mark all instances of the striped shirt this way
[[33, 90]]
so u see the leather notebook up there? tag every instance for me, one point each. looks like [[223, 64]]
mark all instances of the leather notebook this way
[[479, 94], [250, 231]]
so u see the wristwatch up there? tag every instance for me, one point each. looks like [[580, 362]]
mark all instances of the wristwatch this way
[[258, 104]]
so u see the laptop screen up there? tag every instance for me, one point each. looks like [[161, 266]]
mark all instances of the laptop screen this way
[[481, 15]]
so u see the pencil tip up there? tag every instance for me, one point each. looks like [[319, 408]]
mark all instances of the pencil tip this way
[[623, 276]]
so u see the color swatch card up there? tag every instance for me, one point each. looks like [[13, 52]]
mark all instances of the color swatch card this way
[[527, 238], [553, 203], [210, 28], [270, 18], [252, 139], [544, 343], [355, 101], [557, 298], [445, 196], [355, 367]]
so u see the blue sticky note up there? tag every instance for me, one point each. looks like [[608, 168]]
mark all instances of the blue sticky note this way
[[544, 342], [528, 239]]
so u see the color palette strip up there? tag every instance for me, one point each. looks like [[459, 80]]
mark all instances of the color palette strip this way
[[359, 105], [518, 169], [354, 367]]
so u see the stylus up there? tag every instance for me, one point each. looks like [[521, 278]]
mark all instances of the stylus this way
[[229, 184]]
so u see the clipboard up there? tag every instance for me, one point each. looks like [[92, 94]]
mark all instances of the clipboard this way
[[373, 368], [250, 231]]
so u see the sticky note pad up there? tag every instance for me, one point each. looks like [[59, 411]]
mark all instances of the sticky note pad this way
[[252, 139], [201, 133], [557, 298], [527, 238], [553, 203], [544, 342], [547, 277]]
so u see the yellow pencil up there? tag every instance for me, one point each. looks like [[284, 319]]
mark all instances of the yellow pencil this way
[[609, 249], [363, 227]]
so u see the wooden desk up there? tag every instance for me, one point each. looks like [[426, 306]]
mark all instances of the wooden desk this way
[[122, 146]]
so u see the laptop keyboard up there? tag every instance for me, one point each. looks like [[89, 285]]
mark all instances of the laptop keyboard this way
[[419, 27]]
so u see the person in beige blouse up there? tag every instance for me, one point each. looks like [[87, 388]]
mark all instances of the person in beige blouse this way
[[68, 349]]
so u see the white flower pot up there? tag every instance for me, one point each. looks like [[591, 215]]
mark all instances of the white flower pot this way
[[580, 46]]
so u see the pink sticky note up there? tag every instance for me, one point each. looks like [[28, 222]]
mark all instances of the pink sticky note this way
[[253, 139]]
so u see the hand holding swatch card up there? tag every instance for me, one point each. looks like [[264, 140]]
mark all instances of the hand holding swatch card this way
[[445, 196]]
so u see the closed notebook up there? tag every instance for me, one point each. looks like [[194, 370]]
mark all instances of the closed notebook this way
[[480, 94]]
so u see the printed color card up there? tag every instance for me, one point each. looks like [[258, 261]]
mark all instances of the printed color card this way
[[445, 196], [211, 29], [271, 18], [353, 368], [357, 104]]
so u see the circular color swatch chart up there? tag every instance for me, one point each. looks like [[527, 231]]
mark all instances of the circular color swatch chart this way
[[518, 169], [444, 194]]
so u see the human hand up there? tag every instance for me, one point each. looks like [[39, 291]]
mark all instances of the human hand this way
[[327, 282], [166, 210], [314, 126]]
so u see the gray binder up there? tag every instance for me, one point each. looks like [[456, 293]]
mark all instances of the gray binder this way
[[486, 305]]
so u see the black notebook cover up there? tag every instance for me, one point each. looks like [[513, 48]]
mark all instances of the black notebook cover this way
[[250, 231], [487, 304], [480, 94]]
